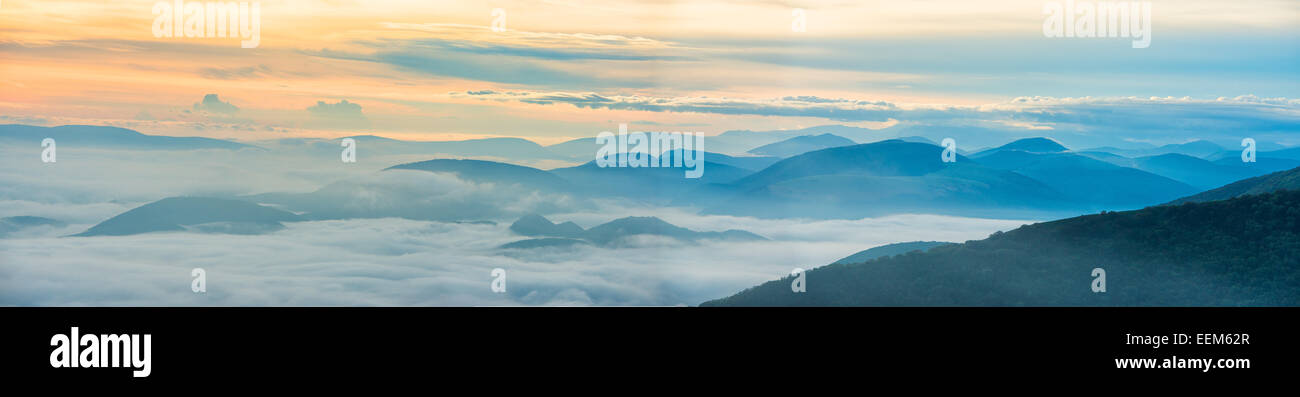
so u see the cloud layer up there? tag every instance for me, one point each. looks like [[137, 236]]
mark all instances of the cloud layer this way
[[398, 262]]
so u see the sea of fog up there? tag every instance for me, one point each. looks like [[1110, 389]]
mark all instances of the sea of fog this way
[[399, 262], [385, 261]]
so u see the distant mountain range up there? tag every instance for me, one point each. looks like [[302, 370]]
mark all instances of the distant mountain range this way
[[1196, 148], [1098, 184], [801, 144], [612, 233], [1032, 177], [1030, 145], [852, 181], [646, 184], [1243, 251], [504, 148], [70, 136], [200, 214], [537, 225], [876, 179], [11, 224], [492, 172]]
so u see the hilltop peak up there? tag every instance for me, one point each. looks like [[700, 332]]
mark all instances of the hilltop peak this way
[[1035, 145]]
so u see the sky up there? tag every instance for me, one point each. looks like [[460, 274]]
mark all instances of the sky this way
[[551, 71]]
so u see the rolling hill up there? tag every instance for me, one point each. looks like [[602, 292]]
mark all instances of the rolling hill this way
[[879, 178], [800, 145], [1196, 148], [1096, 184], [613, 233], [1281, 180], [1030, 145], [891, 250], [647, 184], [201, 214], [1239, 252], [480, 171], [11, 224], [537, 225], [68, 136]]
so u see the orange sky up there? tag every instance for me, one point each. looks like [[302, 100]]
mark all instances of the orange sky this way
[[97, 62]]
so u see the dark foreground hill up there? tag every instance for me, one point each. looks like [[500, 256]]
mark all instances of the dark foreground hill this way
[[1239, 252], [891, 250], [1280, 180]]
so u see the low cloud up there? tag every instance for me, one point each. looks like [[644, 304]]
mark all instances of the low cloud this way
[[381, 261], [339, 115], [1091, 120], [398, 262], [833, 109], [247, 72], [212, 104]]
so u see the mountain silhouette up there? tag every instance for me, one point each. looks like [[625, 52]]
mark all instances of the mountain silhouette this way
[[1094, 183], [1031, 145], [1239, 252], [111, 137], [1277, 181], [801, 144], [613, 233], [12, 224], [547, 242], [646, 184], [891, 250], [891, 176], [203, 214], [537, 225], [1197, 148], [480, 171], [1197, 172]]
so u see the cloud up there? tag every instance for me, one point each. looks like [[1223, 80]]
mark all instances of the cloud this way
[[247, 72], [340, 115], [29, 120], [380, 261], [212, 104], [542, 45], [1083, 120], [806, 106], [343, 109], [516, 57], [398, 262]]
